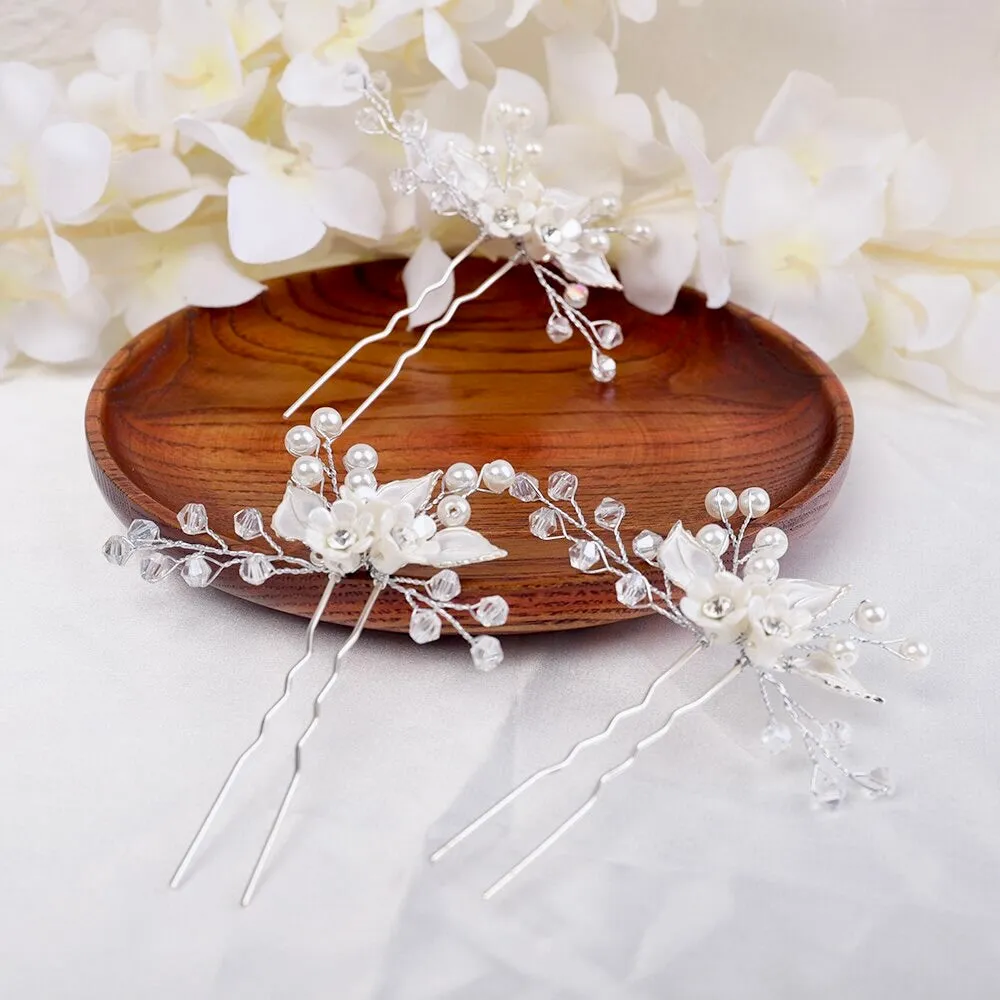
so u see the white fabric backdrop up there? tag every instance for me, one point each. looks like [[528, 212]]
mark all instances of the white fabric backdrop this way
[[704, 873]]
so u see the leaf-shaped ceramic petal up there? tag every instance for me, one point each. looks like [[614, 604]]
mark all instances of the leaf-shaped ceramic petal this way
[[461, 546], [291, 515], [682, 557], [590, 268], [824, 668], [816, 598], [415, 492]]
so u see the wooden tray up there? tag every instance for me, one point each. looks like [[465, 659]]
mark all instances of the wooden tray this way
[[191, 410]]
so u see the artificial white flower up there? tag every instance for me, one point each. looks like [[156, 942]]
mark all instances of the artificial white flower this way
[[281, 202], [774, 626]]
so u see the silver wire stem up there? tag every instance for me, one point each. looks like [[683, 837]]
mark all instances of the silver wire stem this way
[[387, 329], [608, 777], [544, 772], [243, 757], [377, 587], [429, 331]]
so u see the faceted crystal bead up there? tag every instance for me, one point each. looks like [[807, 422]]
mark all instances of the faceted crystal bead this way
[[524, 487], [141, 530], [837, 734], [603, 367], [877, 783], [563, 485], [609, 335], [609, 513], [776, 736], [196, 571], [826, 790], [558, 328], [380, 82], [442, 201], [193, 518], [632, 589], [646, 545], [584, 555], [154, 566], [425, 626], [117, 550], [256, 569], [248, 523], [444, 586], [487, 653], [492, 611], [403, 181], [369, 121], [544, 523], [413, 124], [577, 295]]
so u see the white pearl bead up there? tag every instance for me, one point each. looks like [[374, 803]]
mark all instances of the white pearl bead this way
[[916, 651], [498, 475], [361, 456], [844, 650], [307, 471], [771, 541], [639, 232], [871, 617], [754, 502], [596, 241], [460, 478], [762, 568], [487, 151], [327, 422], [576, 295], [454, 511], [714, 537], [301, 440], [720, 502], [359, 480], [533, 150]]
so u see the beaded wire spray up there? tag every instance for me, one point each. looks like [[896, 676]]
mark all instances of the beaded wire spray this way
[[775, 626], [354, 526], [563, 237]]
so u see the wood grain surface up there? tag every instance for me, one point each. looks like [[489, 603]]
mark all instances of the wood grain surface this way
[[192, 410]]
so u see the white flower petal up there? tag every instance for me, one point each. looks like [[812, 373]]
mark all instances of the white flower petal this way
[[713, 262], [582, 75], [232, 144], [348, 199], [149, 172], [974, 357], [426, 266], [683, 558], [291, 517], [652, 275], [62, 331], [71, 163], [121, 49], [461, 546], [943, 301], [799, 107], [520, 9], [328, 135], [829, 317], [163, 214], [919, 189], [515, 88], [257, 25], [444, 48], [686, 134], [208, 278], [580, 159], [639, 11], [271, 219], [765, 193], [414, 492], [95, 97], [26, 97], [74, 272], [848, 209]]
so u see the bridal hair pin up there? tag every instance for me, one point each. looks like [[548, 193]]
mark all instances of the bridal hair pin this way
[[775, 627], [563, 237], [356, 526]]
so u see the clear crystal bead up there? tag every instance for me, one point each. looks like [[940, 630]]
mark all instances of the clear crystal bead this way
[[877, 783], [717, 607], [487, 653], [442, 201], [369, 121], [425, 626], [827, 791], [353, 76], [505, 217], [603, 367], [632, 589], [609, 513], [576, 295], [196, 570], [492, 611], [248, 523], [141, 530], [193, 518], [563, 485], [837, 734], [609, 335], [646, 545], [380, 82], [558, 328], [776, 736], [154, 566], [444, 586], [403, 181], [118, 550], [256, 569], [524, 488], [413, 124], [544, 523], [584, 555]]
